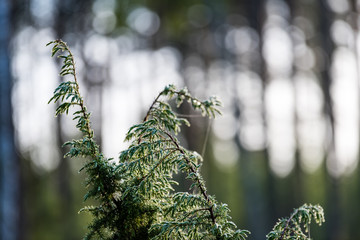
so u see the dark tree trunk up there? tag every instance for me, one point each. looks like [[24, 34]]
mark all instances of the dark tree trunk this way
[[63, 171], [297, 174], [354, 213], [9, 165], [255, 195], [334, 222], [259, 202], [71, 17]]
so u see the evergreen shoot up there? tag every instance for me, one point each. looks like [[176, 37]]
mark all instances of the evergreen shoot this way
[[135, 195], [297, 226]]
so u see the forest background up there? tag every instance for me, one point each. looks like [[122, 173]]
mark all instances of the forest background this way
[[286, 71]]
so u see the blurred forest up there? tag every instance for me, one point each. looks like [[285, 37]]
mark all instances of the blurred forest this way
[[286, 71]]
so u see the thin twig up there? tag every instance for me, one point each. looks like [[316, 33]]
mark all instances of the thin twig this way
[[287, 224], [206, 137], [200, 184]]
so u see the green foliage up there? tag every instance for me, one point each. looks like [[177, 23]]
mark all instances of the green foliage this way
[[135, 195], [297, 226]]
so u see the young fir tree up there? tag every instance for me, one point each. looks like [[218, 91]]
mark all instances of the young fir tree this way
[[135, 195]]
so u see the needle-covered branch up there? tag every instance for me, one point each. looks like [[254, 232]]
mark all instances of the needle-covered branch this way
[[135, 195], [298, 224], [161, 125]]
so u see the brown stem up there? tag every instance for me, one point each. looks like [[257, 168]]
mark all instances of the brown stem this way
[[81, 103], [192, 169], [200, 184], [287, 224], [152, 106]]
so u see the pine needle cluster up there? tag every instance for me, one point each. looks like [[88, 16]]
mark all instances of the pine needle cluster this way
[[135, 195], [297, 226]]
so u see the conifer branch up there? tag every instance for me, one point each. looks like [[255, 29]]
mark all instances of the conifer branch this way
[[69, 68], [152, 106], [101, 174], [292, 227], [136, 198], [199, 182]]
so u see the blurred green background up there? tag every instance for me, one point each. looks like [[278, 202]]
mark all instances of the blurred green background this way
[[287, 72]]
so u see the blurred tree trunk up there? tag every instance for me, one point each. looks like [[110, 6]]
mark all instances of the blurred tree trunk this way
[[332, 206], [63, 172], [9, 163], [71, 17], [297, 173], [257, 17], [353, 214], [249, 175]]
